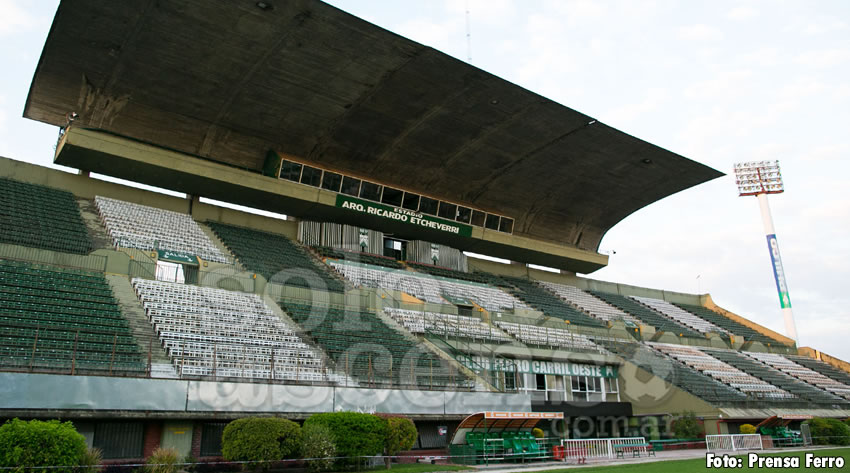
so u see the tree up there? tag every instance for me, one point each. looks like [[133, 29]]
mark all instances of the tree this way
[[829, 431], [687, 426], [36, 443], [355, 435], [262, 440], [401, 435], [318, 447]]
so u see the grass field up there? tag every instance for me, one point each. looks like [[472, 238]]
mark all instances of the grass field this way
[[686, 466]]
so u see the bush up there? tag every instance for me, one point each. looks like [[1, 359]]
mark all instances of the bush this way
[[261, 439], [748, 429], [401, 435], [354, 434], [163, 460], [829, 432], [91, 461], [317, 443], [687, 426], [39, 443]]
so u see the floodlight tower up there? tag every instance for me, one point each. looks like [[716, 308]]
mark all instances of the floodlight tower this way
[[761, 178]]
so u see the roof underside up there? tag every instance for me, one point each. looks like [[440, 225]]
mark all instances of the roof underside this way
[[227, 81]]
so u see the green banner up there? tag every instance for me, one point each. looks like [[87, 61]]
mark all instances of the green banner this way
[[545, 367], [403, 215], [177, 257]]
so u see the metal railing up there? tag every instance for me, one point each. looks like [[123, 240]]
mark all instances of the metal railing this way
[[733, 442], [583, 449]]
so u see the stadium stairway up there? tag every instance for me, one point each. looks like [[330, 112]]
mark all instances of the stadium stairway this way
[[97, 232], [774, 377], [140, 326]]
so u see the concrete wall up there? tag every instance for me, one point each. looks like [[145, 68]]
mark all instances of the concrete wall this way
[[179, 398]]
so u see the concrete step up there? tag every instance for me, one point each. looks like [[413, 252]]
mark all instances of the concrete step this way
[[97, 232], [133, 311]]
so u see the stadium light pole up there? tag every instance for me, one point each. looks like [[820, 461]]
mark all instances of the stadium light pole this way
[[761, 178]]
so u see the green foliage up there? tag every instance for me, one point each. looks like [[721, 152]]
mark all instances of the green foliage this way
[[91, 461], [687, 426], [163, 460], [538, 433], [748, 429], [317, 443], [401, 435], [354, 434], [261, 439], [829, 432], [39, 443]]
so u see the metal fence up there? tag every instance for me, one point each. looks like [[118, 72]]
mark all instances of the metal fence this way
[[583, 449], [67, 260], [733, 442]]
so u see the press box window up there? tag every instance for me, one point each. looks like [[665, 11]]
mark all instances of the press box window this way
[[464, 214], [506, 225], [448, 211], [370, 191], [411, 201], [492, 222], [478, 218], [392, 196], [290, 171], [311, 176], [428, 205], [331, 181], [351, 186]]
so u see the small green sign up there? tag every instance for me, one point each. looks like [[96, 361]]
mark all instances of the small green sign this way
[[177, 257], [546, 367], [403, 215]]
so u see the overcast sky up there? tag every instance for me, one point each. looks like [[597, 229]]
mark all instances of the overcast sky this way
[[715, 81]]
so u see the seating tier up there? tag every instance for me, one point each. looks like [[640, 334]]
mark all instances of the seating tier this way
[[430, 289], [548, 303], [148, 228], [647, 315], [728, 324], [41, 217], [276, 257], [369, 350], [214, 332], [52, 318]]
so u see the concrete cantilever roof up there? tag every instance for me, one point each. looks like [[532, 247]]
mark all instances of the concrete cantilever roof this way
[[227, 80]]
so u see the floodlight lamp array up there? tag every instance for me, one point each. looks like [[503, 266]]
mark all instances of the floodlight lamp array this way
[[758, 177]]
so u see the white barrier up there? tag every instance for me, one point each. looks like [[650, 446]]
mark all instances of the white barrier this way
[[733, 442], [599, 448]]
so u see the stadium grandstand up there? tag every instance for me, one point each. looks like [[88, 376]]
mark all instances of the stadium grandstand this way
[[151, 320]]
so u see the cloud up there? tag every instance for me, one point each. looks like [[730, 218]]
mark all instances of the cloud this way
[[824, 57], [630, 112], [700, 32], [742, 13], [13, 18]]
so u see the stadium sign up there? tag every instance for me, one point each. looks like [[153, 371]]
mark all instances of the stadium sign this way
[[543, 367], [402, 215], [176, 257], [778, 272]]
